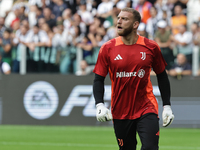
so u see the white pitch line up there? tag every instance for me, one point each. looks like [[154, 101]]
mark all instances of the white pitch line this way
[[90, 145], [58, 144], [179, 147]]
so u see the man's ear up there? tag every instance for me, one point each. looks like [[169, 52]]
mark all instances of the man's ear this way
[[136, 25]]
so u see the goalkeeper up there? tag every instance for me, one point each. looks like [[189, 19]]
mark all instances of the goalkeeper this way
[[128, 59]]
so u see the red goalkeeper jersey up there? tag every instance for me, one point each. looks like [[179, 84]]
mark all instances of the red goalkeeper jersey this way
[[129, 68]]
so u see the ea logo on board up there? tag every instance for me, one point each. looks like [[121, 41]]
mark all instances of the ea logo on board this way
[[40, 100]]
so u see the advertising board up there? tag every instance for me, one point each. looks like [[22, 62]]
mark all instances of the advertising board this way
[[68, 100]]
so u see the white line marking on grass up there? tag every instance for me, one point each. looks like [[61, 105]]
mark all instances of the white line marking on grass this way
[[179, 147], [58, 144], [90, 145]]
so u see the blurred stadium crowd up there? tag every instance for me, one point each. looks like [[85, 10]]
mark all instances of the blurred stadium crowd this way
[[64, 36]]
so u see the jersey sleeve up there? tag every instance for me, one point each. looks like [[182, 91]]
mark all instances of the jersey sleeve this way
[[101, 67], [158, 63]]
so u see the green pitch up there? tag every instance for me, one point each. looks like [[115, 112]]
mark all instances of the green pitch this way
[[86, 138]]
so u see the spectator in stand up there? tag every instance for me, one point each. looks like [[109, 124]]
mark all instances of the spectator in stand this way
[[152, 23], [144, 7], [195, 33], [38, 14], [181, 67], [96, 33], [87, 48], [76, 21], [183, 42], [115, 11], [96, 40], [59, 47], [45, 27], [40, 22], [57, 39], [42, 3], [135, 3], [19, 41], [15, 25], [142, 30], [68, 63], [152, 1], [52, 46], [67, 18], [98, 36], [37, 41], [178, 19], [49, 17], [47, 3], [193, 12], [86, 16], [4, 67], [22, 13], [110, 29], [95, 25], [5, 7], [77, 37], [170, 5], [92, 6], [104, 9], [167, 18], [102, 31], [120, 4], [2, 26], [68, 28], [58, 8], [6, 45], [59, 23], [35, 14], [162, 7], [99, 31], [12, 17], [163, 39], [72, 4], [182, 3], [85, 69]]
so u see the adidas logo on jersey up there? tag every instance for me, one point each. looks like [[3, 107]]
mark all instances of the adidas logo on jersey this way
[[118, 57]]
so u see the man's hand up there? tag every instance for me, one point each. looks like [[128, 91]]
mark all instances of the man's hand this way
[[102, 113], [167, 115]]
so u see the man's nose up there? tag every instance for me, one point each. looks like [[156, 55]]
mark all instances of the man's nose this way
[[119, 21]]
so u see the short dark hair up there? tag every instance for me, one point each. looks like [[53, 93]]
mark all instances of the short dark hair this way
[[136, 14], [8, 30]]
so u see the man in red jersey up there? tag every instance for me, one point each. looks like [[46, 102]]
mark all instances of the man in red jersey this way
[[129, 59]]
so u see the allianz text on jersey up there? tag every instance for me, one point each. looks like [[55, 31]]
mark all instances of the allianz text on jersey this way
[[122, 74]]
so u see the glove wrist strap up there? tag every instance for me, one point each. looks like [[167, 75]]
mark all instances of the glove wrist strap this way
[[99, 104], [167, 106]]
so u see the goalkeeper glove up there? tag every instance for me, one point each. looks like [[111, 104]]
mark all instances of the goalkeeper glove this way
[[167, 115], [102, 113]]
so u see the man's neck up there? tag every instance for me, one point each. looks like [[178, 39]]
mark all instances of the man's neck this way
[[130, 39]]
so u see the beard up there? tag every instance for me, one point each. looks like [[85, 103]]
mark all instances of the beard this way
[[126, 31]]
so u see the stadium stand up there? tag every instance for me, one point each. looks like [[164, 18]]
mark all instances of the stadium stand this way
[[57, 36]]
